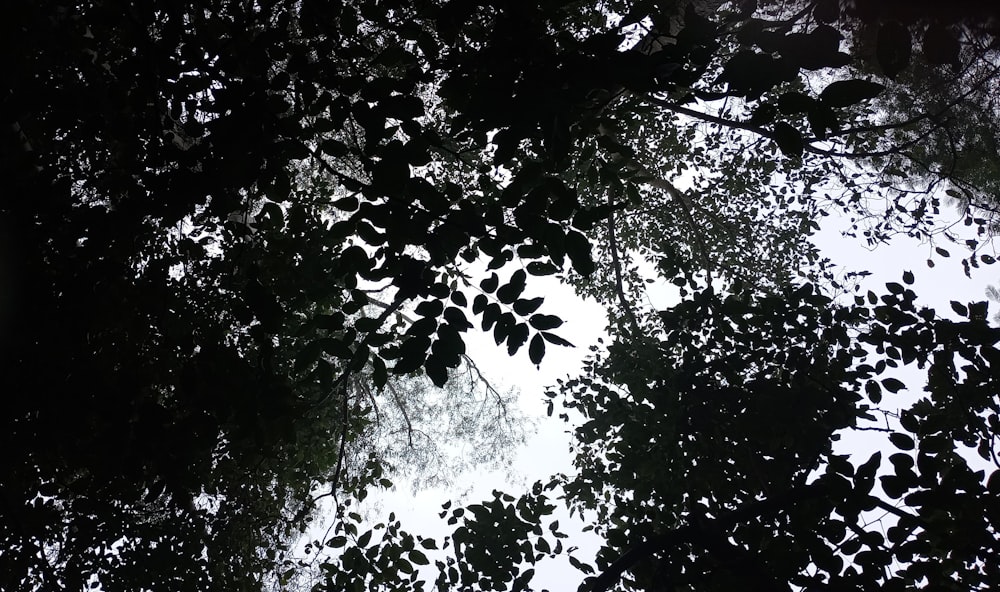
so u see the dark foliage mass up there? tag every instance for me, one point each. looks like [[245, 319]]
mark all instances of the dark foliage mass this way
[[226, 226]]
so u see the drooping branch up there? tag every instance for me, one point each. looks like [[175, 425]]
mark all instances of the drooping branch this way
[[402, 409]]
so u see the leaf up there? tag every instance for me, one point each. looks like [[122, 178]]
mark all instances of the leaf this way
[[901, 441], [544, 322], [518, 335], [791, 103], [536, 349], [874, 391], [893, 385], [490, 284], [844, 93], [417, 556], [429, 308], [456, 318], [479, 303], [364, 539], [334, 148], [941, 45], [541, 268], [513, 288], [822, 118], [491, 313], [578, 249], [556, 340], [893, 486], [866, 472], [526, 306], [583, 567], [752, 73], [348, 204], [893, 48], [827, 11], [908, 277], [788, 139], [379, 372], [436, 371], [959, 308], [337, 541], [978, 310]]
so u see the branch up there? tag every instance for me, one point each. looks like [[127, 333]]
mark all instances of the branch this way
[[807, 145], [619, 289], [402, 409], [490, 389]]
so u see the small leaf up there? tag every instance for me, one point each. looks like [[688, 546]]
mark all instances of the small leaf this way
[[908, 277], [893, 486], [536, 349], [417, 556], [436, 371], [490, 284], [365, 539], [901, 441], [867, 470], [479, 303], [526, 306], [580, 565], [893, 385], [874, 391], [429, 308], [379, 372], [556, 340], [543, 322], [541, 268], [348, 204], [518, 335], [959, 308]]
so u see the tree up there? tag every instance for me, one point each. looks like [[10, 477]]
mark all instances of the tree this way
[[198, 205], [229, 228]]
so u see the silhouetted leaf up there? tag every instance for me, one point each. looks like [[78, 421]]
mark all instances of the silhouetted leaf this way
[[544, 322], [844, 93], [536, 349], [893, 48], [941, 45], [789, 139]]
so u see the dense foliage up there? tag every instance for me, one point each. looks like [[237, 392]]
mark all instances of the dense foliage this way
[[239, 241]]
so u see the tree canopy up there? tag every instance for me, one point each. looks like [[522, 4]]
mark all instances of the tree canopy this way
[[241, 244]]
